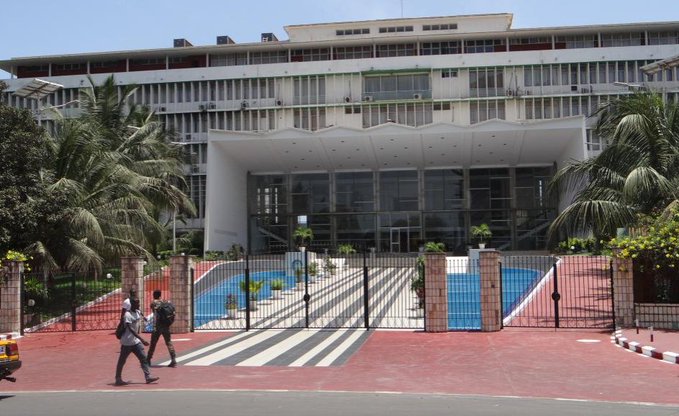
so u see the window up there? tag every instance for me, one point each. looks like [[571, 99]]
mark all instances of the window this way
[[622, 39], [663, 38], [449, 73], [270, 57], [309, 118], [484, 45], [577, 41], [351, 32], [486, 110], [398, 191], [229, 59], [354, 192], [308, 55], [486, 82], [411, 114], [443, 189], [396, 29], [440, 48], [309, 90], [310, 193], [443, 26], [356, 52], [394, 50], [396, 87], [595, 143]]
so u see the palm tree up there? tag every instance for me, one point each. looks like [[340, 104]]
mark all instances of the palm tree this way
[[637, 173], [114, 169]]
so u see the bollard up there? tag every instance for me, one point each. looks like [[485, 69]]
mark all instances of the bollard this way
[[650, 328]]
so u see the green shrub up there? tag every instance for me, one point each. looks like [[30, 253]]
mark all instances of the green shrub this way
[[577, 245]]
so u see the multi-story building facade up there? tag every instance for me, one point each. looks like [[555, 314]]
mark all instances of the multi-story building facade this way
[[381, 133]]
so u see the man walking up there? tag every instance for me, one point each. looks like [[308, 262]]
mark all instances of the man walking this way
[[131, 342], [163, 316]]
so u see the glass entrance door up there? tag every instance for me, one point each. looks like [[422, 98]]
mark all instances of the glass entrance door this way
[[399, 238]]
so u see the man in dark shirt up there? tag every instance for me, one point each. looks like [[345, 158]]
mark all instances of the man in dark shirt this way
[[160, 328]]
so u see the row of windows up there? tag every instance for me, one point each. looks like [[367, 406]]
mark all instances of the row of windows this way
[[591, 73], [373, 51], [395, 29], [443, 189]]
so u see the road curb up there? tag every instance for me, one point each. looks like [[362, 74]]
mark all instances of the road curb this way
[[669, 356]]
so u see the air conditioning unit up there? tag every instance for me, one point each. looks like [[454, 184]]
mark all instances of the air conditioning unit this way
[[585, 90], [417, 96], [279, 102], [347, 99], [195, 169], [162, 109], [202, 107], [211, 106], [368, 98], [243, 105], [188, 137], [509, 92]]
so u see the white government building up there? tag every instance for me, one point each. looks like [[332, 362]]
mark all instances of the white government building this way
[[383, 133]]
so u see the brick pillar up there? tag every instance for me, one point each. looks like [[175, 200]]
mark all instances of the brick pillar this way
[[180, 290], [623, 291], [132, 276], [435, 293], [491, 291], [10, 296]]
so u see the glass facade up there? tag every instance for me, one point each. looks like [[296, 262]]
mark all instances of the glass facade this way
[[399, 210]]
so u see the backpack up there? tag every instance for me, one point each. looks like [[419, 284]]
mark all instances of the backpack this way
[[165, 313], [120, 329]]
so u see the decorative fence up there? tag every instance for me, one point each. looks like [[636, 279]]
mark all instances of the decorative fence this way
[[309, 290]]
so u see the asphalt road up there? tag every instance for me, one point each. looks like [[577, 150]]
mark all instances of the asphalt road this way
[[245, 403]]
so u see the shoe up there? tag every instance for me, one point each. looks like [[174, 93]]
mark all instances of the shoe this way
[[172, 364], [121, 383], [152, 379]]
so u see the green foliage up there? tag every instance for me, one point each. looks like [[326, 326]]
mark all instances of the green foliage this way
[[212, 255], [231, 302], [25, 153], [481, 233], [304, 235], [417, 282], [346, 249], [235, 252], [313, 268], [277, 284], [636, 173], [659, 247], [577, 245], [35, 289], [432, 247], [329, 267], [255, 286]]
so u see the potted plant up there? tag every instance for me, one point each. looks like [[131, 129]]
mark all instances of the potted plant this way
[[346, 249], [299, 278], [276, 288], [313, 271], [329, 267], [231, 306], [254, 288], [482, 234], [304, 235]]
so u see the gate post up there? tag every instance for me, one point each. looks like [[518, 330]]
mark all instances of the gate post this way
[[435, 293], [180, 293], [491, 291], [623, 291], [10, 297], [132, 276]]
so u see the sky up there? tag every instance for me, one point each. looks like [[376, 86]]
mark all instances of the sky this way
[[54, 27]]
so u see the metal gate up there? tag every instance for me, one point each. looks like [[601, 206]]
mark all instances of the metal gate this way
[[551, 292], [308, 290], [70, 302]]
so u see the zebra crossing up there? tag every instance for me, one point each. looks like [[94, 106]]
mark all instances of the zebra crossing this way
[[272, 347]]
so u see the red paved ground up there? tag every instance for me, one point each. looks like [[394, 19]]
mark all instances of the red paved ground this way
[[512, 362]]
